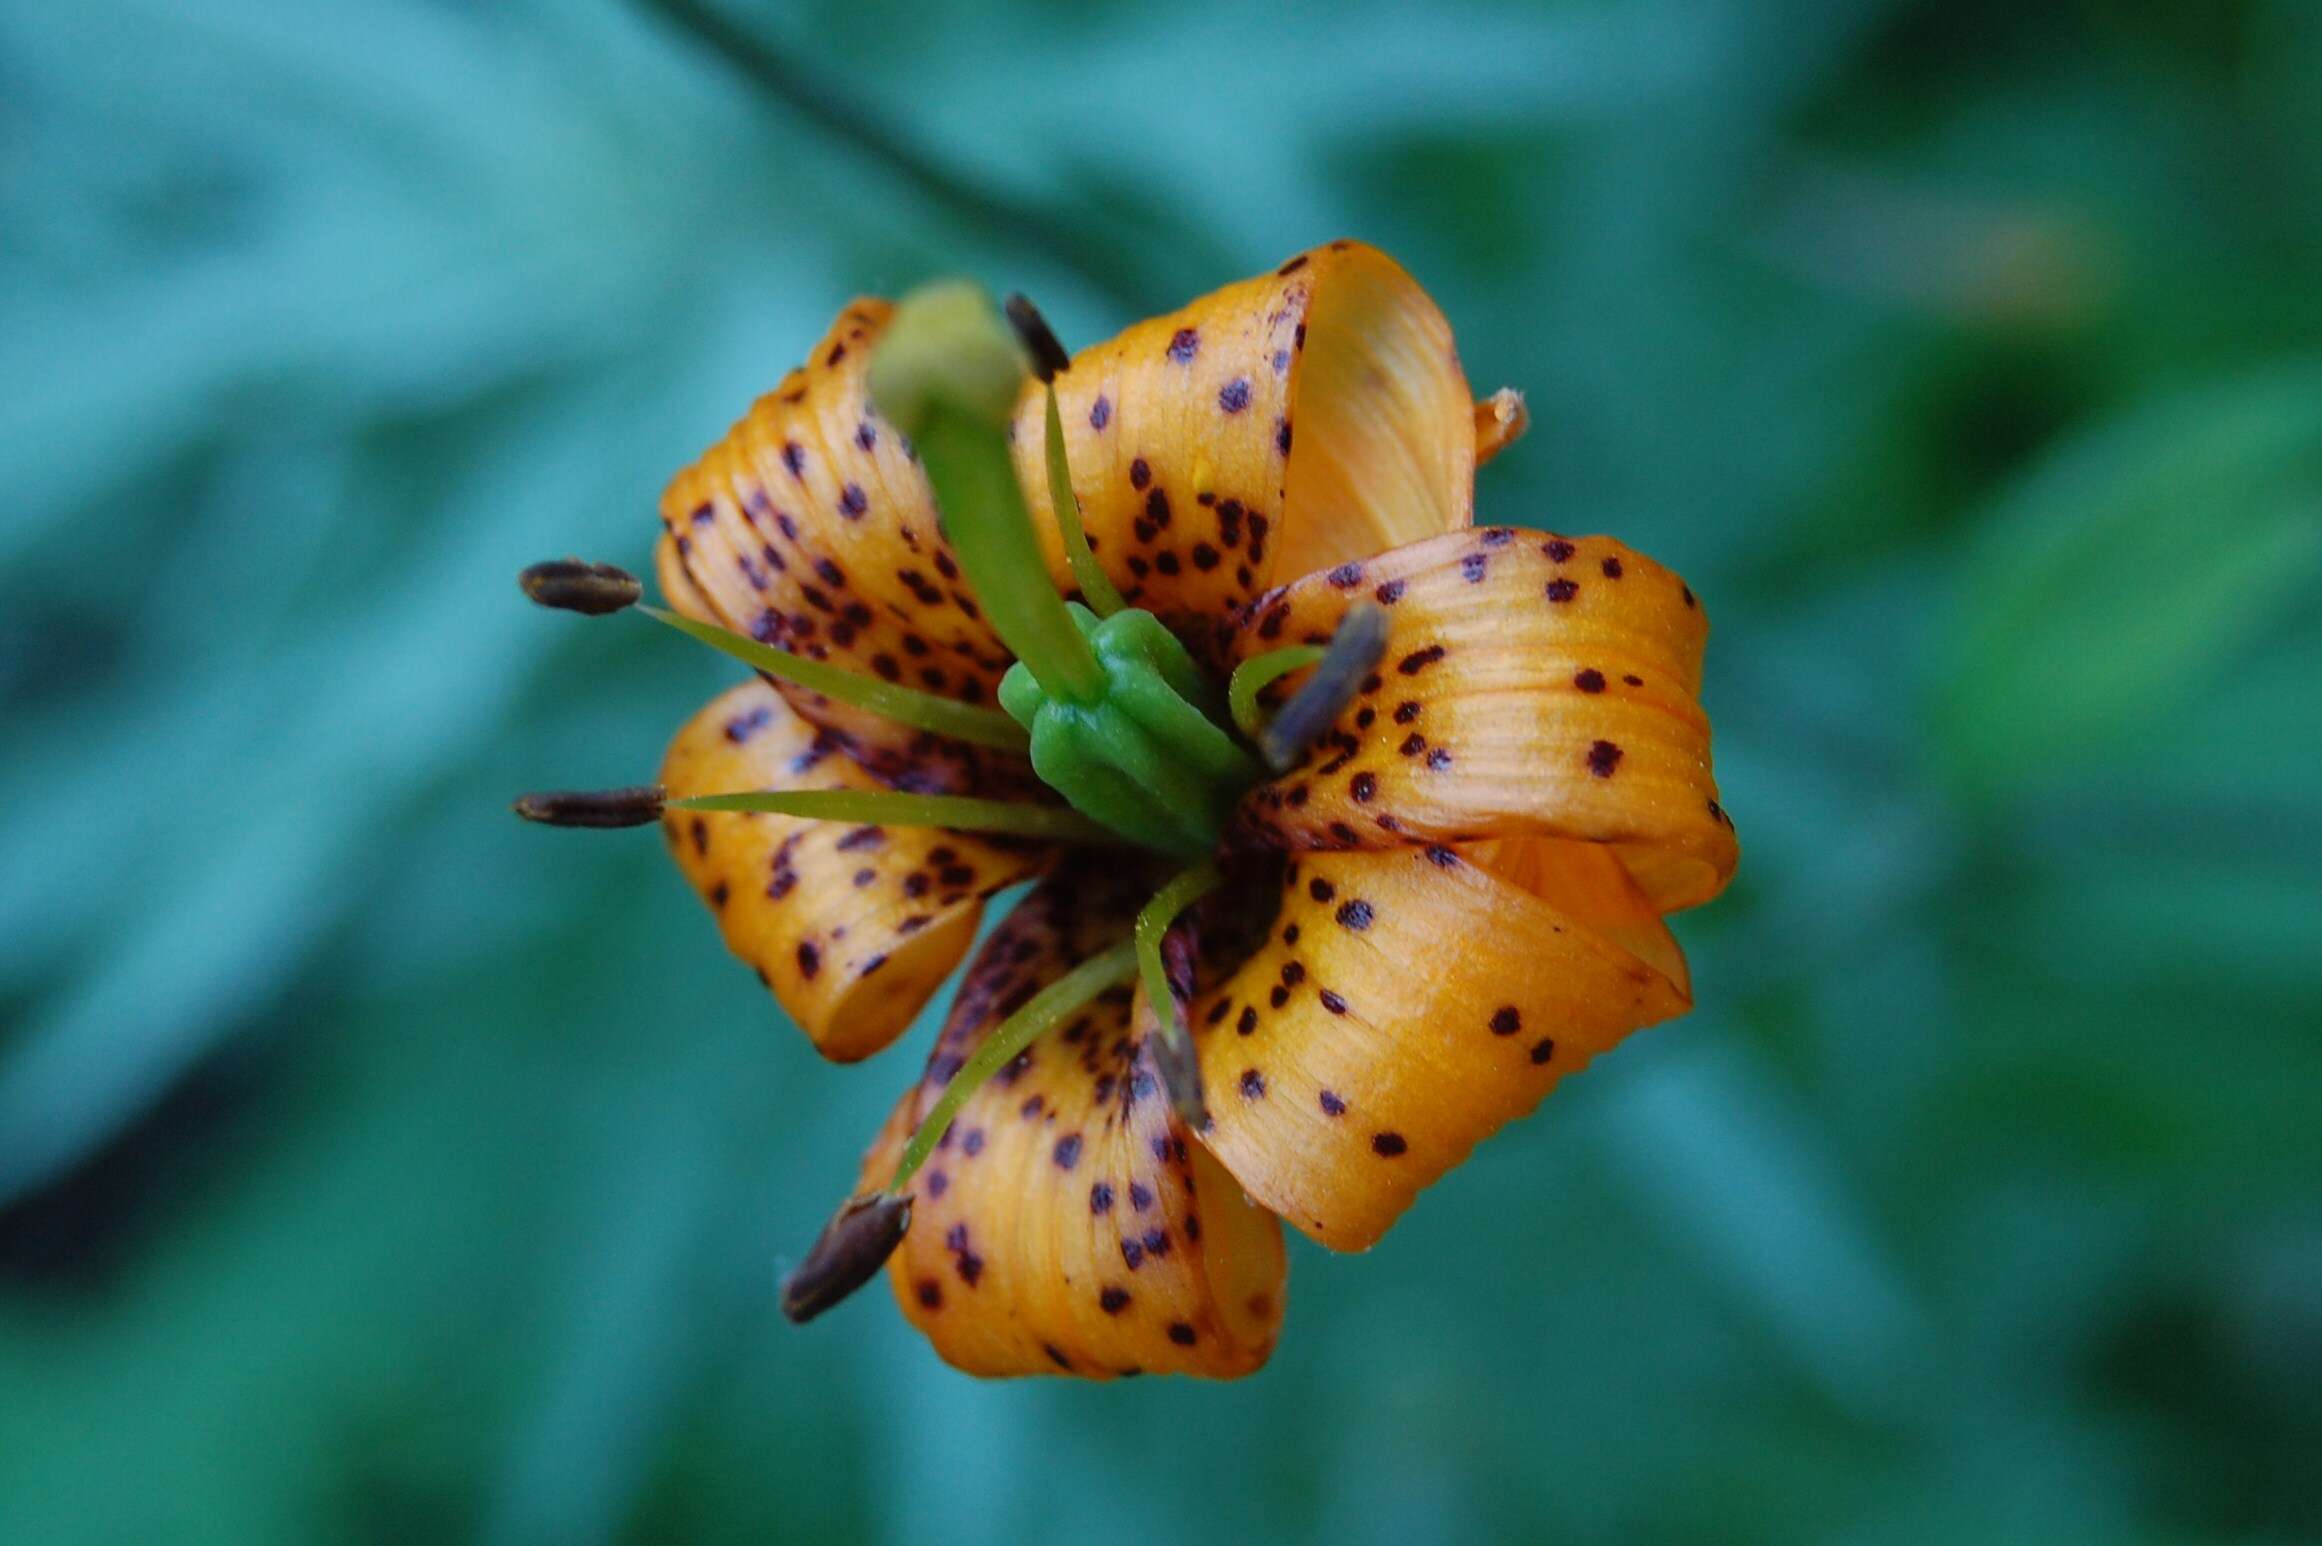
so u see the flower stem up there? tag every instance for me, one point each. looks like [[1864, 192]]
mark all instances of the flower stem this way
[[1175, 1054], [885, 808], [904, 705], [1050, 1007]]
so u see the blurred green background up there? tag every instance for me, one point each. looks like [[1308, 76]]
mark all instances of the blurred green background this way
[[373, 1168]]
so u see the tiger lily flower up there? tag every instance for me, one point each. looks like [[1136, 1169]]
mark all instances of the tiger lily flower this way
[[1351, 826]]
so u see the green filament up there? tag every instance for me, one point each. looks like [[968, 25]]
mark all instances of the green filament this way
[[1338, 676], [1049, 1008], [886, 808], [1255, 675], [904, 705], [1096, 587], [1153, 924]]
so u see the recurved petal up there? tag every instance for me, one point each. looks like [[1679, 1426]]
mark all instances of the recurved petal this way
[[811, 527], [1532, 684], [1280, 424], [852, 927], [1066, 1225], [1408, 1003]]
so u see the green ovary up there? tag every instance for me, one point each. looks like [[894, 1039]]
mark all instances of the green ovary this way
[[1145, 754]]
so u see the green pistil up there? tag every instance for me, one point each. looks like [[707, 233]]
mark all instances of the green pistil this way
[[904, 705], [1175, 1053], [1049, 1008], [882, 808], [1123, 723], [947, 374]]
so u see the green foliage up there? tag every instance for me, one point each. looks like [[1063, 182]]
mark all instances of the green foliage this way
[[373, 1168]]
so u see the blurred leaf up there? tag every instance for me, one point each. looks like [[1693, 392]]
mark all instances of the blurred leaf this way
[[2130, 567]]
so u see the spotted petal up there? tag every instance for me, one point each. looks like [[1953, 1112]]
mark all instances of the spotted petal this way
[[1532, 684], [852, 927], [1283, 423], [811, 527], [1066, 1224], [1408, 1003]]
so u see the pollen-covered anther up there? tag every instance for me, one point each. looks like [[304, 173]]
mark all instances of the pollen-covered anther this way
[[570, 585], [848, 1253], [1354, 649], [635, 806]]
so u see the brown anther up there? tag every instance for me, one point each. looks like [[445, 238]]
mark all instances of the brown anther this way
[[632, 807], [569, 585], [1356, 647], [1032, 331], [852, 1247]]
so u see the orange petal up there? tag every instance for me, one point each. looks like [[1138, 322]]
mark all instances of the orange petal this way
[[811, 527], [1407, 1004], [1065, 1224], [1531, 684], [1280, 424], [853, 927]]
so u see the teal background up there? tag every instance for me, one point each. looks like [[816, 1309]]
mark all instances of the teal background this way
[[373, 1168]]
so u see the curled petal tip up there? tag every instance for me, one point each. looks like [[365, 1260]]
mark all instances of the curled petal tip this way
[[851, 1249], [1500, 421], [635, 806], [569, 585], [1039, 340]]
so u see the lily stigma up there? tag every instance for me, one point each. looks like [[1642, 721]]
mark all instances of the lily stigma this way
[[1351, 827]]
